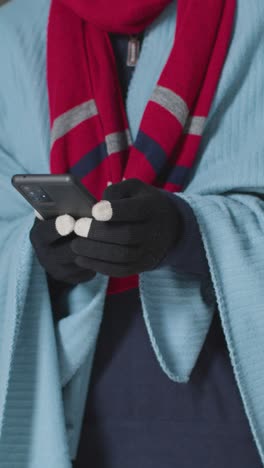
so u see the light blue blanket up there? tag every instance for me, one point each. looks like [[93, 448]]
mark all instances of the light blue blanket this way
[[44, 373]]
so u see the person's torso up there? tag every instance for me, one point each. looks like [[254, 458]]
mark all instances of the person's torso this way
[[135, 415]]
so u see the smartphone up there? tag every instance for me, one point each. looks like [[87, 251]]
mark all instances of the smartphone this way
[[53, 195]]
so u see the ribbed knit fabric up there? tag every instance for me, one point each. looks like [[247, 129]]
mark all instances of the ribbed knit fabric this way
[[176, 312]]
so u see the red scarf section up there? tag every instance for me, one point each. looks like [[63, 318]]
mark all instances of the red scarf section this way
[[90, 135]]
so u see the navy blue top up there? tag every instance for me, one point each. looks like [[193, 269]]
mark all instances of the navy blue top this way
[[135, 416]]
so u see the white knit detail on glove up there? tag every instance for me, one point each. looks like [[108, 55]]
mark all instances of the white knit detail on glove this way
[[102, 211], [64, 224], [83, 226]]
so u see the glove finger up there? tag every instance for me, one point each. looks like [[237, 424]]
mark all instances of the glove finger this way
[[64, 225], [61, 254], [108, 269], [83, 227], [50, 230], [110, 233], [105, 252], [127, 210]]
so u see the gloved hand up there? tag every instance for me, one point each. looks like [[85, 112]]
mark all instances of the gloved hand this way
[[133, 228], [51, 240]]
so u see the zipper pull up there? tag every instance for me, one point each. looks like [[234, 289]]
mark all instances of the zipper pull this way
[[133, 50]]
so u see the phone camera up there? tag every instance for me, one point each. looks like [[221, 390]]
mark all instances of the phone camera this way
[[36, 194]]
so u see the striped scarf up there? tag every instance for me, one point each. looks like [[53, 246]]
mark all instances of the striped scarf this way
[[90, 135]]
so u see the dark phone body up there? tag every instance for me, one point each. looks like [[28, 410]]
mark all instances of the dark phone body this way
[[53, 195]]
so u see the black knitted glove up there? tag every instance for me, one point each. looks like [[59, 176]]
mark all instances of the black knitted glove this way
[[133, 228], [52, 244]]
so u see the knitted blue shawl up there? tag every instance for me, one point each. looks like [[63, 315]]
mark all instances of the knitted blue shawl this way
[[44, 372]]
